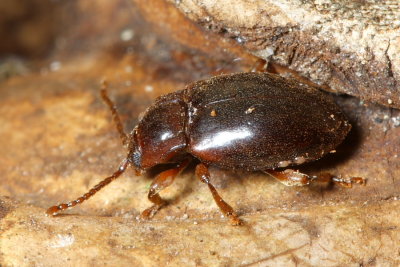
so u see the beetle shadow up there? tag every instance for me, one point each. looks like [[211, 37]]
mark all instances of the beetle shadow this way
[[190, 179]]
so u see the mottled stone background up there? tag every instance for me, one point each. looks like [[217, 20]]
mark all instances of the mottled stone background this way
[[57, 139]]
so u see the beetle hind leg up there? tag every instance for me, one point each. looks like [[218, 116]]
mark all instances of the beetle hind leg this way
[[291, 177], [204, 175], [163, 180]]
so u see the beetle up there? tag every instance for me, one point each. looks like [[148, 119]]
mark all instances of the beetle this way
[[250, 121]]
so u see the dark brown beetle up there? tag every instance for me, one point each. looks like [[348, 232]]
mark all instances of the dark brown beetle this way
[[251, 121]]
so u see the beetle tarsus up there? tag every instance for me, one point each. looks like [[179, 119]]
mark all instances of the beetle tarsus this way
[[291, 177], [349, 181], [150, 212], [234, 219]]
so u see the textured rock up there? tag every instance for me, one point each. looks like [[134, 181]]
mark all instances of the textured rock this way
[[351, 46], [57, 141]]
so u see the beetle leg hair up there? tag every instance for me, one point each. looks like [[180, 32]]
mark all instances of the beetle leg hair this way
[[291, 177], [54, 210], [114, 112], [204, 175], [163, 180]]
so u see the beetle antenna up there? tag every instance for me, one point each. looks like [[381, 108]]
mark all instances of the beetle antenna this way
[[56, 209], [114, 112]]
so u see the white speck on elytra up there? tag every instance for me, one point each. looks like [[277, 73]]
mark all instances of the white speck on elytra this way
[[249, 110], [284, 163], [299, 160]]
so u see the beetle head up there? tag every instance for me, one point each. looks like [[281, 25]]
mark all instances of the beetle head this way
[[134, 154]]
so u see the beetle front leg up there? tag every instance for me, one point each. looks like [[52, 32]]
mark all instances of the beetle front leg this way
[[163, 180], [204, 175], [291, 177]]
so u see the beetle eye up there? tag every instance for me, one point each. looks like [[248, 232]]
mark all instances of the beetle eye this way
[[135, 159]]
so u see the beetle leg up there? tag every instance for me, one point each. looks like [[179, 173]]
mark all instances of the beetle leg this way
[[344, 182], [163, 180], [259, 66], [204, 175], [114, 112], [291, 177]]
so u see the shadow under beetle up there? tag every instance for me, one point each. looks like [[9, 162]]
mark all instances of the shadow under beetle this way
[[250, 121]]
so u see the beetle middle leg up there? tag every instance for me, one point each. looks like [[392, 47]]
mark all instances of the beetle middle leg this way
[[291, 177], [204, 175], [163, 180]]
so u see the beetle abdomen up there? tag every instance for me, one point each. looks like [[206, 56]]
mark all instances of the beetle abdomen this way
[[260, 121]]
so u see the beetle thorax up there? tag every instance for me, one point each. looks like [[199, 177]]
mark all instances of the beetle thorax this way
[[160, 135]]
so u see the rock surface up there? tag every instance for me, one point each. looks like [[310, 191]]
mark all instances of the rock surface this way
[[58, 140], [351, 46]]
